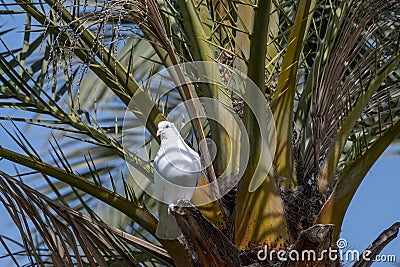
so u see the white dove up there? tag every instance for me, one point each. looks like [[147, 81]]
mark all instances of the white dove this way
[[177, 170]]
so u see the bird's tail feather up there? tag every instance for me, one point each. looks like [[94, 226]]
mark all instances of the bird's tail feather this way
[[167, 227]]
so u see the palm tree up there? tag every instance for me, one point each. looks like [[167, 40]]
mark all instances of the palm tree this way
[[327, 69]]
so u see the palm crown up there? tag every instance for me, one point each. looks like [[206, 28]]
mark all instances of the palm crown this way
[[328, 70]]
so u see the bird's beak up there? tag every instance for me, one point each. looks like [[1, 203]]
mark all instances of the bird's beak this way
[[159, 132]]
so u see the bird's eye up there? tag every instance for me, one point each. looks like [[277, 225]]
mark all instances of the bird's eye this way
[[167, 126]]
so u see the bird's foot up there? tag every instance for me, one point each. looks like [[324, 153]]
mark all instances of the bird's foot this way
[[171, 208]]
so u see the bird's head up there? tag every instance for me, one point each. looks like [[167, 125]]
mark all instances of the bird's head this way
[[166, 128]]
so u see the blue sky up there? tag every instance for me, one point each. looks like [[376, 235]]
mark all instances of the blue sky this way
[[375, 207]]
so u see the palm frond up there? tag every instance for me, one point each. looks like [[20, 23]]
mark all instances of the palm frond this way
[[344, 77], [69, 237]]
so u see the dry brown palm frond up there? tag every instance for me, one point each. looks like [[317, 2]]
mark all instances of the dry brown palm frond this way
[[352, 62], [69, 237]]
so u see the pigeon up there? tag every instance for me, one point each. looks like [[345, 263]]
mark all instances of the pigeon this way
[[177, 170]]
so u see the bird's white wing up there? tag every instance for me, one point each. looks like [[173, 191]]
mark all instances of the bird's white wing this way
[[176, 173]]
